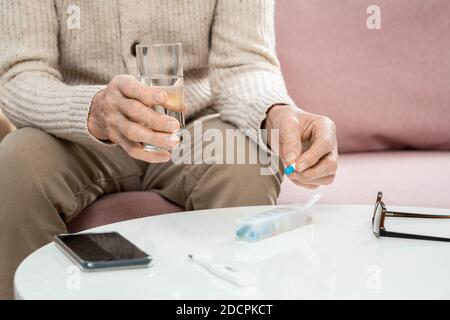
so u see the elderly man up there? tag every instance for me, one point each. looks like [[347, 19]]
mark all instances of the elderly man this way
[[65, 71]]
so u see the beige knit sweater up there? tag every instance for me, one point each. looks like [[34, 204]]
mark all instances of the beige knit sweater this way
[[55, 55]]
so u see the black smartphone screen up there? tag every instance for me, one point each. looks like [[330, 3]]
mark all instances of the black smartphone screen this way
[[97, 247]]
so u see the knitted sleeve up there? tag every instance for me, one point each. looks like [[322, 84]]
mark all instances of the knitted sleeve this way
[[245, 73], [32, 93]]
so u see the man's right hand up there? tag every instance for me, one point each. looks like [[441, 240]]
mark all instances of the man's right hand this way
[[121, 113]]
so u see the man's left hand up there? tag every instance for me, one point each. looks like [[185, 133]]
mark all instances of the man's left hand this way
[[318, 164]]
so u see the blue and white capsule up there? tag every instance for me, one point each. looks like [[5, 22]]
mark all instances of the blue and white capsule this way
[[290, 169]]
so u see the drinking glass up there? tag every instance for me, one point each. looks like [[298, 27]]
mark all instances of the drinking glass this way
[[160, 66]]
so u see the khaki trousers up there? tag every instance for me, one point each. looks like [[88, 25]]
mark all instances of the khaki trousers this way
[[46, 181]]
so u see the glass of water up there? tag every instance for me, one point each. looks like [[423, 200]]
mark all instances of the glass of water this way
[[160, 66]]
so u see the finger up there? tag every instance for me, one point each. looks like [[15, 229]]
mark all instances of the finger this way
[[175, 102], [140, 113], [133, 89], [306, 186], [319, 148], [326, 166], [136, 151], [290, 142], [137, 133], [323, 141], [323, 181]]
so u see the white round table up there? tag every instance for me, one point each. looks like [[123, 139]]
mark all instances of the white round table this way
[[336, 256]]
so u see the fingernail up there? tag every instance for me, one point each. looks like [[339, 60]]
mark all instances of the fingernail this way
[[302, 166], [173, 126], [291, 157], [160, 97], [173, 139]]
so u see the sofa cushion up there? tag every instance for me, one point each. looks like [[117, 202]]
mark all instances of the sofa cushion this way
[[408, 178], [385, 89]]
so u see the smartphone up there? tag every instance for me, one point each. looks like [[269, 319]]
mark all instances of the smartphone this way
[[102, 251]]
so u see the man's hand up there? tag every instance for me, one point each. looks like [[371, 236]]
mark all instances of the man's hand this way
[[318, 164], [121, 113]]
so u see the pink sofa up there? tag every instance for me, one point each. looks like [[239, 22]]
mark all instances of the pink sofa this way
[[374, 84], [412, 178], [386, 90]]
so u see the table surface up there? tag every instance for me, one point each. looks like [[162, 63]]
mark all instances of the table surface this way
[[334, 256]]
